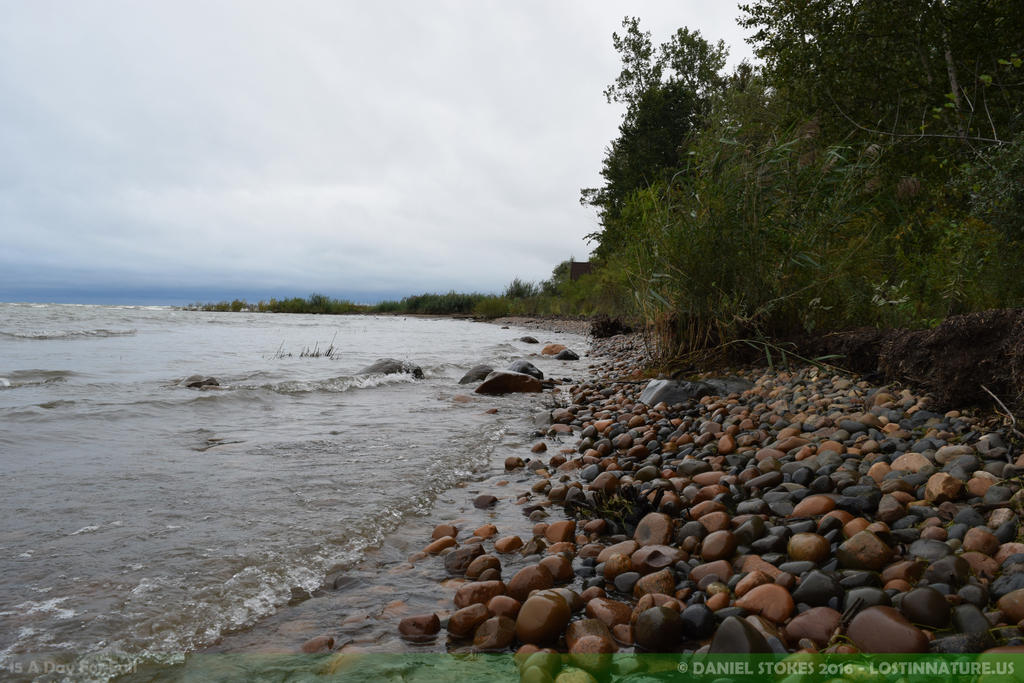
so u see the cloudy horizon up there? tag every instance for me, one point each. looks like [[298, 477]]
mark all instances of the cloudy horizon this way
[[179, 152]]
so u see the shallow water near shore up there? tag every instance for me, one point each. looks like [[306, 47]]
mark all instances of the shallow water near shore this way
[[145, 519]]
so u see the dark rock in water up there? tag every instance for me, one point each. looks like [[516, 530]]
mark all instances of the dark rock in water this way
[[501, 382], [698, 622], [458, 561], [318, 644], [419, 625], [816, 589], [658, 629], [926, 606], [390, 366], [567, 354], [529, 340], [484, 501], [476, 374], [200, 382], [678, 391], [735, 635], [525, 367]]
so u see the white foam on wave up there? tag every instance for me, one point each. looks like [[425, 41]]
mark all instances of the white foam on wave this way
[[85, 530], [51, 606], [335, 385]]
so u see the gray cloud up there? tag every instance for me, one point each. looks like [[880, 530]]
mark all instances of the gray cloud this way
[[330, 146]]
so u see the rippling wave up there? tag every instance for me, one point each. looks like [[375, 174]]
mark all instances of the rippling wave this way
[[36, 335], [26, 378]]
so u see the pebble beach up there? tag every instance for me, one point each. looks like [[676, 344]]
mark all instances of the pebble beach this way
[[809, 512], [802, 511]]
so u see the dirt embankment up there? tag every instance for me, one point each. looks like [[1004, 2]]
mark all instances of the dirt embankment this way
[[955, 362]]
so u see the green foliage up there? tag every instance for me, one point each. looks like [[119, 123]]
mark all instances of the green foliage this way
[[520, 289], [492, 307], [314, 303], [869, 173], [667, 92]]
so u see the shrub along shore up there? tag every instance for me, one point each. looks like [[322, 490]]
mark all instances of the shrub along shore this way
[[805, 511]]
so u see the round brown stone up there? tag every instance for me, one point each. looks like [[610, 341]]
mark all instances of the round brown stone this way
[[480, 564], [561, 531], [750, 581], [982, 541], [439, 545], [542, 618], [864, 550], [318, 644], [1012, 605], [718, 545], [610, 612], [942, 487], [771, 601], [884, 629], [626, 548], [715, 521], [659, 582], [442, 530], [463, 622], [615, 565], [478, 592], [508, 544], [808, 546], [812, 506], [652, 558], [504, 606], [496, 633], [559, 566], [817, 624], [720, 568], [419, 625], [530, 578], [654, 529]]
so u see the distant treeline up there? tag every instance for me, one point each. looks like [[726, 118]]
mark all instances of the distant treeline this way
[[558, 295]]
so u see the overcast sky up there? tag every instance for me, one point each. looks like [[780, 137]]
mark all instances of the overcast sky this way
[[186, 150]]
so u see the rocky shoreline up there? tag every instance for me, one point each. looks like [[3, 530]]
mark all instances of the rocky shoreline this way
[[809, 512]]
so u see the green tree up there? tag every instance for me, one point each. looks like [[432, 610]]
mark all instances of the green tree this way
[[667, 91]]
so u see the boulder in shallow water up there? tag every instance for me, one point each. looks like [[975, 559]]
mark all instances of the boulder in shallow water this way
[[529, 340], [200, 382], [501, 382], [390, 366], [567, 354], [476, 373], [525, 367]]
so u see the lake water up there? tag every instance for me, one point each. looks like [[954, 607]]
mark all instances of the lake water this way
[[143, 519]]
